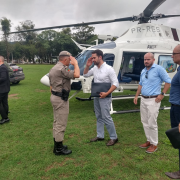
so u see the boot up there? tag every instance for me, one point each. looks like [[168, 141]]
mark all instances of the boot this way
[[65, 147], [60, 150]]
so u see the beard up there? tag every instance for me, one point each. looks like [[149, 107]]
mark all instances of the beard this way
[[148, 65], [96, 63]]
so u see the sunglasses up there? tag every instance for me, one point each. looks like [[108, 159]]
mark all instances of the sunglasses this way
[[146, 75]]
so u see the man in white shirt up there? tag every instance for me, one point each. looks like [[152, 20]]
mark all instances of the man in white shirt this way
[[102, 73]]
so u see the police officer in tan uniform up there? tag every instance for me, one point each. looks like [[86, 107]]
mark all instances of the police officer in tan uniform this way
[[60, 76]]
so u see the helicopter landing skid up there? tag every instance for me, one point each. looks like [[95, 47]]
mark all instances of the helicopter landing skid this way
[[130, 111]]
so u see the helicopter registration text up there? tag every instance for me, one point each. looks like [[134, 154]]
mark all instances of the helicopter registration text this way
[[146, 28]]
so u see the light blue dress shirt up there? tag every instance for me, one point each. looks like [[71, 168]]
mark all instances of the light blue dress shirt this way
[[151, 80]]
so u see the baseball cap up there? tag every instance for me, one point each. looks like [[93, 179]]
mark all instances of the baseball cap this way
[[64, 53]]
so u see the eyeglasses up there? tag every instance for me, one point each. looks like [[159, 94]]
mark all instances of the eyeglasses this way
[[146, 75], [174, 54]]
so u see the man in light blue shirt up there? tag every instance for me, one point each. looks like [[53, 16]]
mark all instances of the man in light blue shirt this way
[[150, 83]]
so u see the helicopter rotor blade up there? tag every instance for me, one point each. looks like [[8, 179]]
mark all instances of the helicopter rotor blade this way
[[74, 25], [168, 16], [154, 4]]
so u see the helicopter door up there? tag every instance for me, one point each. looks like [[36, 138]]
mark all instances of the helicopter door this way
[[131, 67]]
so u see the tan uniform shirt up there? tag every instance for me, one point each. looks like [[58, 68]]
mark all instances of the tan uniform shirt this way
[[60, 76]]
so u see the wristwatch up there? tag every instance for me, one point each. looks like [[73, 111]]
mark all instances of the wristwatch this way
[[162, 93]]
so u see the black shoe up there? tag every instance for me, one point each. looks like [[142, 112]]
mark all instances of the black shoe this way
[[4, 121], [60, 150], [173, 175], [65, 147], [96, 139]]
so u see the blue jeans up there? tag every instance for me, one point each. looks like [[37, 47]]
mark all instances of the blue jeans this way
[[175, 120]]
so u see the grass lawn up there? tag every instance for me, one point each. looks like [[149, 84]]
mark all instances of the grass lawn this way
[[27, 143]]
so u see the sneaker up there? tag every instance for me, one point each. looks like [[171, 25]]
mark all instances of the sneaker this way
[[96, 139], [151, 149], [145, 145]]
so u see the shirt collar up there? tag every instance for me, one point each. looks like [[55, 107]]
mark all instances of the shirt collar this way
[[178, 69], [102, 65]]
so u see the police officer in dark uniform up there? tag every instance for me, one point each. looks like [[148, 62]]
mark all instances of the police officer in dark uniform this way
[[60, 84]]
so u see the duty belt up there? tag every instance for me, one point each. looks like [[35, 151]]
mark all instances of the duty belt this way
[[149, 96], [175, 104], [56, 93]]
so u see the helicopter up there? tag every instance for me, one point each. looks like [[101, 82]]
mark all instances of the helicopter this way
[[126, 53]]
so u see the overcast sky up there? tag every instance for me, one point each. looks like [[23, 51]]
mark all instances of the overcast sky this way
[[45, 13]]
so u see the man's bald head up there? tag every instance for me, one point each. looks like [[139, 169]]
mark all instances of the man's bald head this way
[[149, 60], [177, 48], [176, 54], [1, 60], [150, 54]]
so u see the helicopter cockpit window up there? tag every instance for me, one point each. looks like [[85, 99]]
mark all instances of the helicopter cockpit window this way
[[109, 59], [82, 59], [110, 45], [167, 63]]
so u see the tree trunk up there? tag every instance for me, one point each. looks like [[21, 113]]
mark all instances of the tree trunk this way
[[7, 49]]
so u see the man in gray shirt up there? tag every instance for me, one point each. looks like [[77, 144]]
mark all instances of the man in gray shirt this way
[[102, 73]]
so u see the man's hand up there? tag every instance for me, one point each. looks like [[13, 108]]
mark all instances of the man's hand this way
[[135, 100], [159, 98], [103, 95], [89, 62], [73, 61]]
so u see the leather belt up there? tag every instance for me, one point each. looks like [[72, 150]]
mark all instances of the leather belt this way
[[175, 104], [56, 93], [149, 96]]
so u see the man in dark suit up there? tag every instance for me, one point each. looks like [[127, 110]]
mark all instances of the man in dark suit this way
[[4, 90]]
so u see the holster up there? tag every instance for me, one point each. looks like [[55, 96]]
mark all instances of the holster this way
[[65, 95]]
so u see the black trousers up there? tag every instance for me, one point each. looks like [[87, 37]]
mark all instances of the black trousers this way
[[4, 108], [175, 120]]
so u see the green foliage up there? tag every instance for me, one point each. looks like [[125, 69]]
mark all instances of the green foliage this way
[[27, 37], [6, 25], [84, 34], [27, 143]]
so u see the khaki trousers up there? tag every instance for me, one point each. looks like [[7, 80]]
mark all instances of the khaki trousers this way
[[60, 111], [149, 110]]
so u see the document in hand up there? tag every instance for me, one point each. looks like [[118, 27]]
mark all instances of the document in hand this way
[[96, 88], [174, 137]]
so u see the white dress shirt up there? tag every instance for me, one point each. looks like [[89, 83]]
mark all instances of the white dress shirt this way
[[104, 74]]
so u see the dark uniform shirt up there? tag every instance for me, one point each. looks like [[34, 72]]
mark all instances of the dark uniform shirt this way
[[175, 88]]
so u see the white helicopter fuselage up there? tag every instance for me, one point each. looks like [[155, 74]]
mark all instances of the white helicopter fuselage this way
[[127, 54]]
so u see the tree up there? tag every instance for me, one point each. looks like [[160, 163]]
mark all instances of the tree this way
[[28, 39], [84, 34], [6, 27]]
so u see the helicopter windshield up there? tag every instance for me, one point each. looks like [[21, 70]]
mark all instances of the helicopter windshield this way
[[110, 45], [82, 59]]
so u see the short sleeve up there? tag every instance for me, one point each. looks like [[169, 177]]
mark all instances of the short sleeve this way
[[67, 73], [164, 75]]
